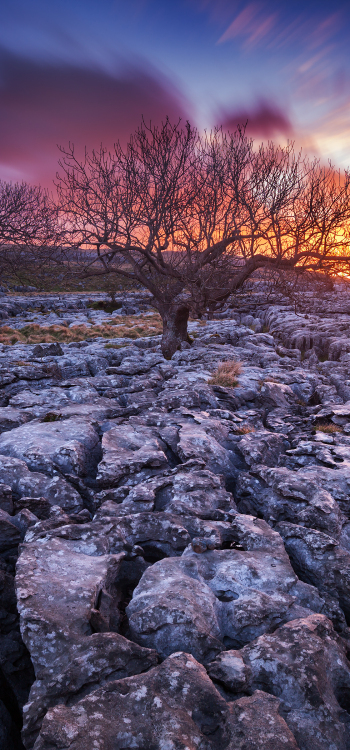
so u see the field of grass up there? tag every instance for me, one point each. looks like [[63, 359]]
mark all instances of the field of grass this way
[[127, 326]]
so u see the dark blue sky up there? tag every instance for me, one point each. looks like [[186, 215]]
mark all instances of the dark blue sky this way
[[86, 70]]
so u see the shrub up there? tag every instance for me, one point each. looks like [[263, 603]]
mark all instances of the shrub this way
[[226, 374]]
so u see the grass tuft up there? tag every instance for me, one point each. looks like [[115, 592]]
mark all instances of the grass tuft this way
[[226, 374], [245, 430], [328, 427]]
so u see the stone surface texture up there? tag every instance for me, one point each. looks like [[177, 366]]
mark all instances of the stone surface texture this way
[[175, 554]]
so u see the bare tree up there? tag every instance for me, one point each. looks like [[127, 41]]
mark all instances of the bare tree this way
[[191, 217], [30, 237]]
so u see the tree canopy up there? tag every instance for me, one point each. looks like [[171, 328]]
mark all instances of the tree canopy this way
[[191, 216]]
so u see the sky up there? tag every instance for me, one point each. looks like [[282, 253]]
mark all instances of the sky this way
[[86, 71]]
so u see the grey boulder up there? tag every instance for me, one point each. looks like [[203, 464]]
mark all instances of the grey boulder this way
[[319, 560], [127, 450], [212, 599], [279, 494], [25, 483], [172, 707], [93, 662], [304, 664], [70, 446]]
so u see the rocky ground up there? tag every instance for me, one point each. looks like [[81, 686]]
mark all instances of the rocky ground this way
[[181, 549], [69, 309]]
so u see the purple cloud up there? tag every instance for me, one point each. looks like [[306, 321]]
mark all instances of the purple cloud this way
[[263, 120], [44, 104]]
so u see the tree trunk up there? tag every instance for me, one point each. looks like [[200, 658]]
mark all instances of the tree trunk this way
[[175, 319]]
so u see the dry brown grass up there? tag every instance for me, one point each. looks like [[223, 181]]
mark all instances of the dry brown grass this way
[[127, 326], [245, 430], [329, 428], [226, 374]]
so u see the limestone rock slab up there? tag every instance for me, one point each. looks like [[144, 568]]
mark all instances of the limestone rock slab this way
[[304, 664], [172, 706], [70, 446], [127, 449], [25, 483]]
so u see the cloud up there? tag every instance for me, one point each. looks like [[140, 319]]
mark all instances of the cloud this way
[[44, 104], [264, 120], [251, 24], [331, 134], [276, 25], [218, 11]]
